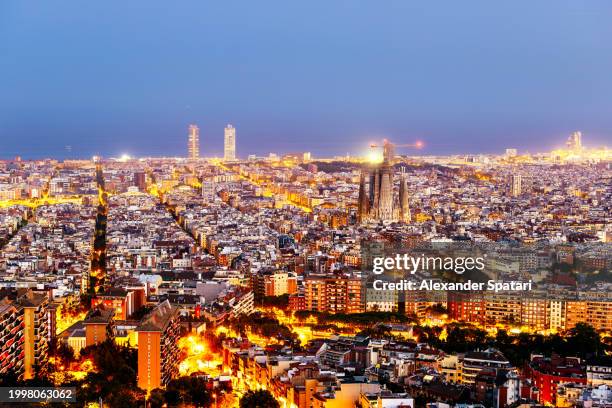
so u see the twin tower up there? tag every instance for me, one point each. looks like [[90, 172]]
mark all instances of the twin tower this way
[[376, 195]]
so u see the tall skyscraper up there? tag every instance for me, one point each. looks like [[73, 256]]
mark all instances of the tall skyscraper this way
[[229, 152], [193, 145]]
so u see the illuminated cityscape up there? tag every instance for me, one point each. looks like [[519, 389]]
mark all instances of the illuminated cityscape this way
[[305, 204], [253, 275]]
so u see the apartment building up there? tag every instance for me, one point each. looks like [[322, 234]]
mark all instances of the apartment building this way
[[333, 294], [158, 335]]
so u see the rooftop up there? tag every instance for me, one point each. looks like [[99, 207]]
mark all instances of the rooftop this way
[[159, 318]]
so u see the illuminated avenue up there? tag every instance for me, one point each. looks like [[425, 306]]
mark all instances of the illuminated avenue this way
[[200, 280]]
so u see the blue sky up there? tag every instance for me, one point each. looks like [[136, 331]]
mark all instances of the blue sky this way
[[325, 76]]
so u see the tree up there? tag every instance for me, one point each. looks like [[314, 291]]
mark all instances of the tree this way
[[62, 351], [280, 302], [436, 310], [189, 391], [156, 398], [259, 399], [114, 378], [9, 378], [126, 398], [584, 340]]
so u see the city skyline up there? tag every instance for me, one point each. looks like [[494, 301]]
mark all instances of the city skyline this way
[[325, 78], [190, 148]]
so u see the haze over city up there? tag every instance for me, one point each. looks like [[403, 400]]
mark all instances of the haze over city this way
[[325, 77]]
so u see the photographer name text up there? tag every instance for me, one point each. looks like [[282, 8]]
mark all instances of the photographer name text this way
[[430, 284]]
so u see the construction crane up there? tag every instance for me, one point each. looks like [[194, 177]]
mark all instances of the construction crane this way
[[389, 148]]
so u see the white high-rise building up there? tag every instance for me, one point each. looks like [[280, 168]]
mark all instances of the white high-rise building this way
[[229, 151], [193, 144]]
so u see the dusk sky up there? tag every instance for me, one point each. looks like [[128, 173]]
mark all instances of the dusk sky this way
[[113, 77]]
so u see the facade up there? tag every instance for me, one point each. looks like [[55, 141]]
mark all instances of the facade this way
[[297, 302], [24, 341], [35, 310], [74, 336], [599, 371], [473, 362], [122, 301], [536, 312], [467, 307], [598, 314], [340, 294], [193, 144], [229, 145], [11, 346], [158, 352], [550, 373], [381, 300], [140, 181], [99, 325], [242, 302], [273, 283]]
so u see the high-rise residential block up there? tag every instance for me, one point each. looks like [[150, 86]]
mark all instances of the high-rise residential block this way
[[26, 313], [11, 346], [158, 351]]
